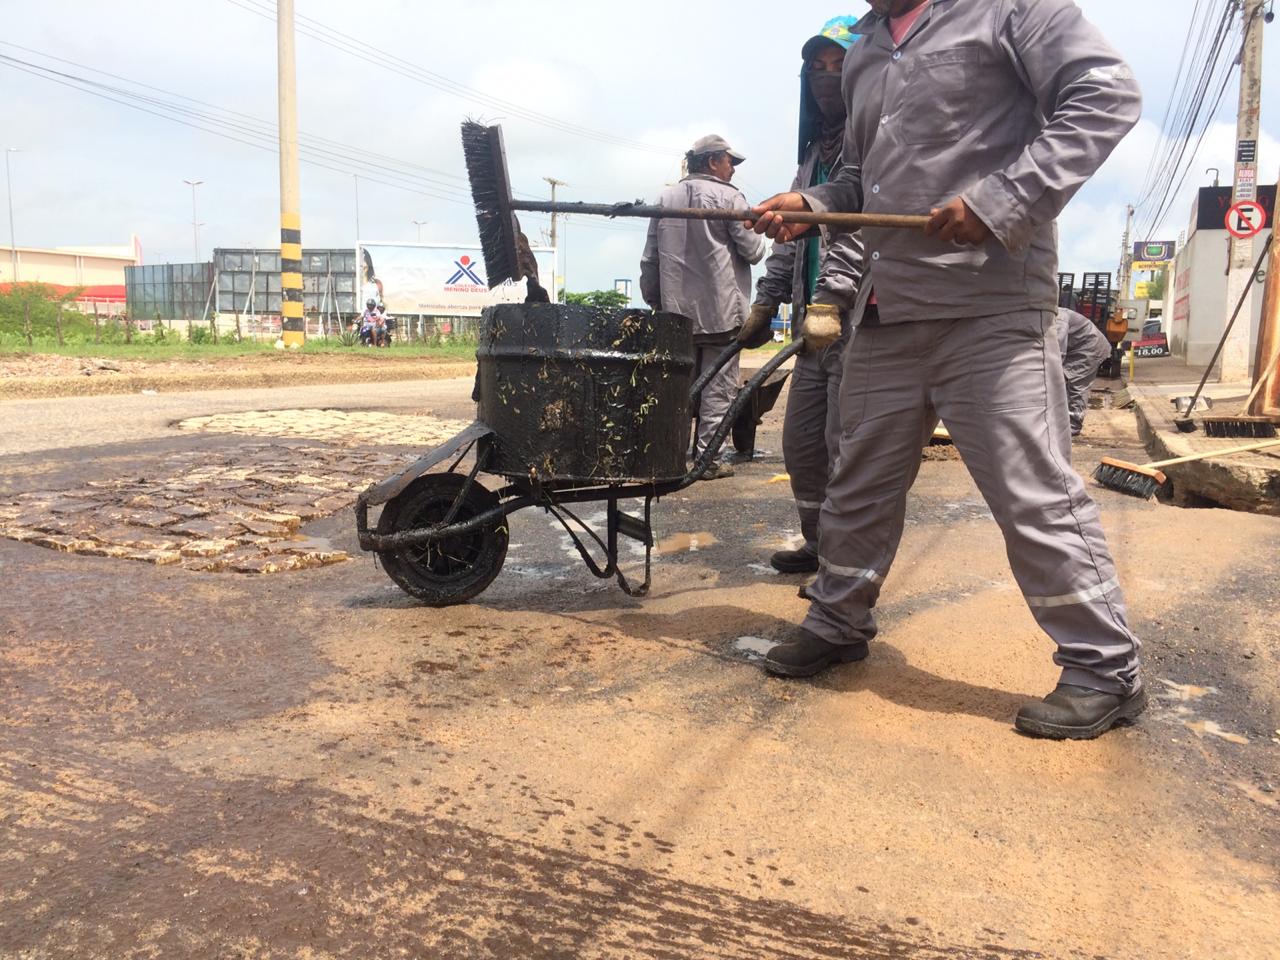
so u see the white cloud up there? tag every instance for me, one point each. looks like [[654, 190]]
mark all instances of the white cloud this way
[[663, 73]]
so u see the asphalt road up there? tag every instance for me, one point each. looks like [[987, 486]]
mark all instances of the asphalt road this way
[[307, 763]]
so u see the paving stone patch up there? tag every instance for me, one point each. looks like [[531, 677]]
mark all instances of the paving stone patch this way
[[236, 509], [348, 427]]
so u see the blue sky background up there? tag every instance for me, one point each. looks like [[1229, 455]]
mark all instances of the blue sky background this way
[[660, 74]]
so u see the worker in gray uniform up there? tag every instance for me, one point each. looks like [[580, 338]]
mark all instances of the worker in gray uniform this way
[[1083, 347], [811, 427], [989, 115], [702, 269]]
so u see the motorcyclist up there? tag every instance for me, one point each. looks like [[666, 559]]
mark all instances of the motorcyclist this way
[[368, 322]]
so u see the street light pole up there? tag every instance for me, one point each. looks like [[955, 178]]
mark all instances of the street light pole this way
[[419, 224], [195, 225], [8, 186]]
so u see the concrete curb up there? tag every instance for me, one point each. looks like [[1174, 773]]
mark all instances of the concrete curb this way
[[36, 388], [1249, 481]]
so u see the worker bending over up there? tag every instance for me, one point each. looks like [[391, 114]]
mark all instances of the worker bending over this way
[[990, 114], [1083, 347]]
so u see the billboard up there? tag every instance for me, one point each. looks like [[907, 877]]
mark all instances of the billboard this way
[[438, 279], [1157, 252], [1212, 204]]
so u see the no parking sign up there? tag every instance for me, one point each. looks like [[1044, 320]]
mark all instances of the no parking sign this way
[[1246, 219]]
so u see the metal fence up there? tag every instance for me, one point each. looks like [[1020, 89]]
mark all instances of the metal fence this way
[[249, 281], [173, 291], [245, 286]]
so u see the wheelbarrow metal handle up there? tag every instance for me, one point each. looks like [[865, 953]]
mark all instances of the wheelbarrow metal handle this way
[[739, 404], [695, 392]]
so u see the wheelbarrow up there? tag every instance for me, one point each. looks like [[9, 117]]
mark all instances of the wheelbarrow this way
[[574, 405]]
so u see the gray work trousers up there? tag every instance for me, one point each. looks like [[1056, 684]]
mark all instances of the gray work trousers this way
[[811, 432], [716, 396], [998, 384], [1080, 374]]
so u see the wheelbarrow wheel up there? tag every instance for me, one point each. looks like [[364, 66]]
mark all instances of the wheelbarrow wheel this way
[[452, 570]]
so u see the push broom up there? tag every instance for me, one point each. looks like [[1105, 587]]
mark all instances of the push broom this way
[[1144, 479], [506, 253], [1240, 426]]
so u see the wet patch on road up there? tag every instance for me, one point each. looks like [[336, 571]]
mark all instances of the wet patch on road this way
[[347, 427], [259, 866], [235, 509]]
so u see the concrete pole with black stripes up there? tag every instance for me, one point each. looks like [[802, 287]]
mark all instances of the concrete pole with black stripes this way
[[293, 329]]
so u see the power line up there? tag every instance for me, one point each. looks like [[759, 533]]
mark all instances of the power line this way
[[1192, 32], [252, 132], [270, 126], [370, 54], [230, 131], [1213, 68]]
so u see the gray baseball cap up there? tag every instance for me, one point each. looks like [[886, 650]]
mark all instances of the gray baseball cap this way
[[714, 143]]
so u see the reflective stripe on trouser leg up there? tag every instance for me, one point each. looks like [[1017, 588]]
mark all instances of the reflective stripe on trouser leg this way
[[717, 396], [1002, 394], [884, 418], [810, 434]]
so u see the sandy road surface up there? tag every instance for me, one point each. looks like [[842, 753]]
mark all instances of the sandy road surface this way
[[308, 764]]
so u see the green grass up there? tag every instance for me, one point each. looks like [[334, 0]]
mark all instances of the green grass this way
[[172, 348]]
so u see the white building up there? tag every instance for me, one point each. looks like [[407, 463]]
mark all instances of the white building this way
[[1199, 295]]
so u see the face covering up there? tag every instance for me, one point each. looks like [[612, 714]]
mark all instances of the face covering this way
[[825, 88]]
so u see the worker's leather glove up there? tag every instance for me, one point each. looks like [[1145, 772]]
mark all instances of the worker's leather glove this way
[[821, 326], [758, 330]]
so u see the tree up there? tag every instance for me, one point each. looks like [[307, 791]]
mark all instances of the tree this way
[[1155, 286], [601, 299], [32, 310]]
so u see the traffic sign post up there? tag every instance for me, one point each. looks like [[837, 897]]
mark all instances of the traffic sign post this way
[[1246, 219]]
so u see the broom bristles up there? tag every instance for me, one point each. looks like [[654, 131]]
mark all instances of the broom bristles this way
[[491, 193], [1131, 478], [1237, 427]]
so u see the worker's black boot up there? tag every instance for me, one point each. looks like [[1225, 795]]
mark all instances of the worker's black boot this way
[[794, 561], [718, 470], [803, 654], [1078, 713]]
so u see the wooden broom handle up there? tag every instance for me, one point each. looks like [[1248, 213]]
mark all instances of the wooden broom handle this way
[[1262, 380], [850, 221], [1214, 453]]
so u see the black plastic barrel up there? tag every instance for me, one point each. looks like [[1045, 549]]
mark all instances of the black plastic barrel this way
[[585, 395]]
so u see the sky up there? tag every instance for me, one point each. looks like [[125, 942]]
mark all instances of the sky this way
[[603, 96]]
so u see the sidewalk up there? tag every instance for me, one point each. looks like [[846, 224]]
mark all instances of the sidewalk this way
[[1247, 481]]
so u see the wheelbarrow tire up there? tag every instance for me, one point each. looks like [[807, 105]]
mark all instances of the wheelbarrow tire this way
[[452, 570]]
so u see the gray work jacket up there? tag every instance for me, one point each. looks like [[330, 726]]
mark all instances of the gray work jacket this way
[[786, 277], [1010, 104], [1083, 345], [701, 268]]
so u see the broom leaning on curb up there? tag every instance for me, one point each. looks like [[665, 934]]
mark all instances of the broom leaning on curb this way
[[1144, 479]]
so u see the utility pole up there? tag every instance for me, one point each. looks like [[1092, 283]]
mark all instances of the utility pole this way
[[8, 186], [1234, 362], [195, 226], [1123, 278], [554, 245], [1266, 397], [419, 224], [554, 183], [356, 178], [293, 329]]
